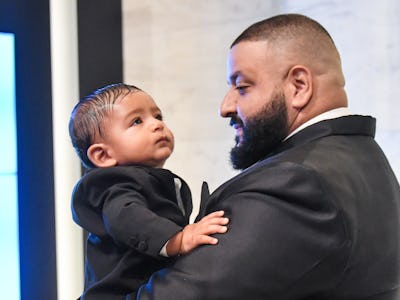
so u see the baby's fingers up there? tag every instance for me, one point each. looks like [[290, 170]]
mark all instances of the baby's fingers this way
[[214, 220], [212, 229], [206, 240], [214, 214]]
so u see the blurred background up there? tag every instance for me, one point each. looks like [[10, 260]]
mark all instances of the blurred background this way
[[52, 52]]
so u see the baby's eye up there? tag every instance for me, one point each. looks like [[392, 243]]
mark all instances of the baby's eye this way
[[159, 117], [136, 121]]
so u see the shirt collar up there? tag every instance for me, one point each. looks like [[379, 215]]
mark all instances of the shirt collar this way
[[330, 114]]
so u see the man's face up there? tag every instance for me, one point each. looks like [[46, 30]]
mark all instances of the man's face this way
[[255, 103]]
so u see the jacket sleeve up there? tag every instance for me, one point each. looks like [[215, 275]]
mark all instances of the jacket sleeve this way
[[131, 223], [118, 203], [286, 239]]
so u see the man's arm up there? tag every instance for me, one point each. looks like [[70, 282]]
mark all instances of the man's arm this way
[[276, 248]]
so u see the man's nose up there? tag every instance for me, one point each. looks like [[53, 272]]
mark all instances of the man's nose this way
[[228, 105]]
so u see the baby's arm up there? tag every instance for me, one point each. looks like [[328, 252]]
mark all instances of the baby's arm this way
[[196, 234]]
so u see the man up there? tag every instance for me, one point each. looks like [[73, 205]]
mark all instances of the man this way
[[315, 212]]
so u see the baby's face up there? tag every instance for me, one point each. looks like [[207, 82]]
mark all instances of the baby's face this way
[[135, 133]]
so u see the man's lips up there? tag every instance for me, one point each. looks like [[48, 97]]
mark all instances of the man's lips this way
[[239, 134], [237, 125]]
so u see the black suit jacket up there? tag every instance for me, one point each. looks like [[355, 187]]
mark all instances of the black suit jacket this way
[[130, 213], [317, 219]]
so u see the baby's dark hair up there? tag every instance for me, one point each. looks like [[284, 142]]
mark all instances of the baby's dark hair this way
[[87, 117]]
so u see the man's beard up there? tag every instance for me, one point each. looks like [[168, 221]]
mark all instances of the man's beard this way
[[261, 133]]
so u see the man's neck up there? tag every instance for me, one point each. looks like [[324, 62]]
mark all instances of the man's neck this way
[[330, 114]]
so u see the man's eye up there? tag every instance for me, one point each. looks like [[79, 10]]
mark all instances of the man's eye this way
[[241, 89], [136, 121]]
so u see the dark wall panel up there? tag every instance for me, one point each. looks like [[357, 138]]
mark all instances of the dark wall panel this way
[[100, 44]]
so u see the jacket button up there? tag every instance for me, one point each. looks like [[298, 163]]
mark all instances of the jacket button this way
[[142, 246]]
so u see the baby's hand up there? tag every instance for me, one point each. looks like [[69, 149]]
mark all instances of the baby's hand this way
[[194, 235]]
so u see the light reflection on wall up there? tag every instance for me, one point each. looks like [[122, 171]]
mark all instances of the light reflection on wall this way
[[9, 241]]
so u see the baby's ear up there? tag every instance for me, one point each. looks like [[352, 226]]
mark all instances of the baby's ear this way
[[100, 157]]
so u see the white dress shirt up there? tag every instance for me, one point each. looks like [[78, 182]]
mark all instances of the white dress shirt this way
[[330, 114]]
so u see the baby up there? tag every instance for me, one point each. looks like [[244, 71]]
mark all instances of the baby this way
[[136, 212]]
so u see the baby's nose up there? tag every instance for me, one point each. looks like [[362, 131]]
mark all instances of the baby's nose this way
[[157, 125]]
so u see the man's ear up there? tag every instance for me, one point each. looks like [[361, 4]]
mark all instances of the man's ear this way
[[299, 86], [100, 157]]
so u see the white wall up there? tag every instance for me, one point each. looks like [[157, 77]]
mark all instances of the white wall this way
[[176, 51]]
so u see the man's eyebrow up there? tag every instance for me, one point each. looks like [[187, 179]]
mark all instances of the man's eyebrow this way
[[233, 77]]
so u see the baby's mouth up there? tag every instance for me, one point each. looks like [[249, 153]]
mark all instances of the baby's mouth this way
[[162, 139]]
